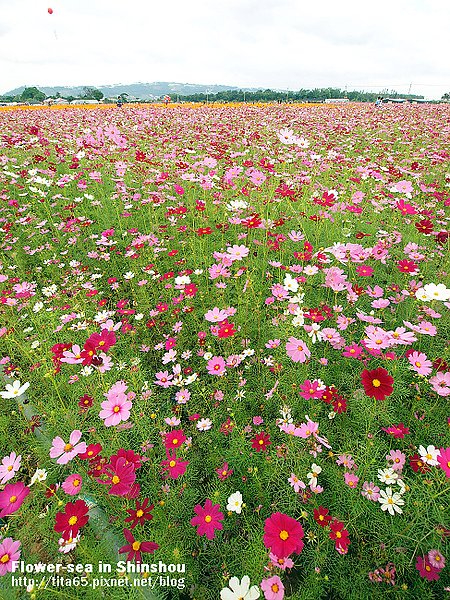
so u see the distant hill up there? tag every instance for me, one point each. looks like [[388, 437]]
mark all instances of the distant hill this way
[[144, 91]]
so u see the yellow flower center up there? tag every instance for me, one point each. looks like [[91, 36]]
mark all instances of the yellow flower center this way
[[73, 520], [175, 441], [115, 479], [139, 513], [13, 499], [208, 519], [224, 473], [4, 559], [338, 534], [376, 382], [261, 442], [284, 535], [9, 468], [136, 546], [116, 409], [76, 482], [300, 348], [172, 463], [275, 588], [68, 447]]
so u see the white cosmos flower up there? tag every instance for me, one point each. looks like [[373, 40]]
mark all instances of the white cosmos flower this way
[[429, 455], [290, 284], [240, 590], [387, 475], [40, 475], [235, 503], [15, 390], [390, 502]]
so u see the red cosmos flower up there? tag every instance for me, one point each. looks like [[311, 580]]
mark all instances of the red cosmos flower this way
[[364, 271], [377, 383], [339, 404], [101, 341], [227, 427], [208, 519], [340, 535], [426, 569], [283, 535], [174, 438], [398, 431], [91, 452], [68, 523], [120, 476], [203, 231], [224, 472], [130, 458], [85, 402], [226, 330], [260, 442], [329, 394], [252, 222], [321, 516], [134, 548], [140, 514], [174, 466], [407, 266], [417, 464], [424, 226]]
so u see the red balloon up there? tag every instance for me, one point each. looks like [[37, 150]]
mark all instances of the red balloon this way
[[50, 11]]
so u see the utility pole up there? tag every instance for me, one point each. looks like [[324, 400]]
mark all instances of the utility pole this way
[[410, 86]]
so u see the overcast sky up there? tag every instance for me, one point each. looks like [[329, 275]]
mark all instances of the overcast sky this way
[[285, 44]]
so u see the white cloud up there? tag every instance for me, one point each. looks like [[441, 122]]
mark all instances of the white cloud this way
[[267, 43]]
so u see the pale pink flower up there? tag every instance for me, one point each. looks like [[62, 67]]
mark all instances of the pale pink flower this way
[[9, 467], [420, 363], [67, 451], [297, 350]]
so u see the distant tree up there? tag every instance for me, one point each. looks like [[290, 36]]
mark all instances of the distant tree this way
[[32, 93], [91, 93], [446, 96]]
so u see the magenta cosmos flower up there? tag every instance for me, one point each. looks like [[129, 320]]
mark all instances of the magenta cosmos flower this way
[[9, 467], [12, 497], [283, 535], [297, 350], [115, 410], [9, 552], [208, 519], [443, 459], [67, 451]]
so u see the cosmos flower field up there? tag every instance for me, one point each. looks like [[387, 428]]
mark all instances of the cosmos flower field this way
[[224, 347]]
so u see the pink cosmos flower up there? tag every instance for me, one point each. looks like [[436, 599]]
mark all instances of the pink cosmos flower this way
[[296, 483], [436, 559], [297, 350], [9, 552], [115, 409], [396, 460], [216, 315], [441, 383], [216, 366], [420, 363], [72, 485], [9, 467], [208, 518], [370, 491], [12, 497], [426, 569], [444, 460], [351, 480], [67, 451], [237, 252], [73, 356], [273, 588], [163, 379], [281, 563]]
